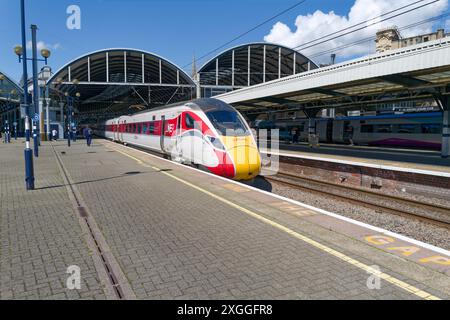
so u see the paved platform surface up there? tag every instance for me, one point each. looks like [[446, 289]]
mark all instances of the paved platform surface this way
[[170, 232], [390, 157]]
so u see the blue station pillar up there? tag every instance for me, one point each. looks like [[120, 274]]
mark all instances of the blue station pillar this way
[[29, 169], [445, 100], [35, 91]]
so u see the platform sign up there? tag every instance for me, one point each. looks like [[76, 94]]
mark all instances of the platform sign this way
[[23, 111], [36, 117]]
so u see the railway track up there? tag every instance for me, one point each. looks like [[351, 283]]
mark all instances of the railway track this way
[[383, 203]]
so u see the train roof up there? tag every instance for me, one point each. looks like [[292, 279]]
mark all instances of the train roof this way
[[205, 104], [394, 116]]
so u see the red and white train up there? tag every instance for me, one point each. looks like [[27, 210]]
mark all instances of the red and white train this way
[[206, 132]]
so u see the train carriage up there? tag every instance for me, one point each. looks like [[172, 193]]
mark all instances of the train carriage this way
[[206, 132]]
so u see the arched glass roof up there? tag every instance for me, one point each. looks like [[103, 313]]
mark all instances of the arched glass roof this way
[[10, 92], [251, 64], [121, 80]]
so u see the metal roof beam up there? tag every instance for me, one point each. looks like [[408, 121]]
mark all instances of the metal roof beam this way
[[406, 81], [276, 100], [129, 84], [327, 92]]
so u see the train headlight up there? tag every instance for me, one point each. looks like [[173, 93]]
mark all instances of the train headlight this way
[[216, 143]]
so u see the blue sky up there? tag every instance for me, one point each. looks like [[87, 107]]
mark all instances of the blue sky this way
[[174, 29]]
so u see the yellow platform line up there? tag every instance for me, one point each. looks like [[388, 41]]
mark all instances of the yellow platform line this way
[[396, 282]]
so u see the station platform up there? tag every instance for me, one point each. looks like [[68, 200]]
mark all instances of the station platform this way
[[395, 159], [141, 227]]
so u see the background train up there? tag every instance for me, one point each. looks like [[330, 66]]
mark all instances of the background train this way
[[417, 130], [206, 132]]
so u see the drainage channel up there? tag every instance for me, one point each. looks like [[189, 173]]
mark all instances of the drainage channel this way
[[85, 216]]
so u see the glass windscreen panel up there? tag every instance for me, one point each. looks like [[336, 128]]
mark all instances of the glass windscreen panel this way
[[228, 123], [224, 118]]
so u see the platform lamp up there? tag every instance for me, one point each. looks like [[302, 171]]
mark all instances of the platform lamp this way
[[1, 92], [45, 53], [77, 95], [13, 93], [69, 120]]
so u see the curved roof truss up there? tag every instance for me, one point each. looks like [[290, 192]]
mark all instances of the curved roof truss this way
[[120, 78], [254, 63]]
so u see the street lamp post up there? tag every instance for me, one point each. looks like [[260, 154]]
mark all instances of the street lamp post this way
[[35, 91], [78, 95], [13, 93], [69, 101], [29, 170], [45, 135], [22, 56]]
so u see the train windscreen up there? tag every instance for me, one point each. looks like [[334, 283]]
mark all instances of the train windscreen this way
[[227, 123], [224, 118]]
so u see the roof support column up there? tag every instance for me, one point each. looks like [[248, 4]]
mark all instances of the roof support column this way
[[248, 66], [89, 69], [445, 101], [160, 71], [143, 68], [294, 66], [69, 74], [217, 72], [107, 67], [125, 66], [232, 69], [279, 63], [264, 64]]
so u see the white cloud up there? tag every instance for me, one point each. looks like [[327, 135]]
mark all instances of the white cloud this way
[[319, 24], [42, 45]]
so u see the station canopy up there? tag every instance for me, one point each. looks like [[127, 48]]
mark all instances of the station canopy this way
[[248, 65], [10, 92], [113, 82]]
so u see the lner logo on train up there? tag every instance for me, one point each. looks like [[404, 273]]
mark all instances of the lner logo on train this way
[[207, 133]]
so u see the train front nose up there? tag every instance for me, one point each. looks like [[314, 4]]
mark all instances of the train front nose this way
[[245, 156]]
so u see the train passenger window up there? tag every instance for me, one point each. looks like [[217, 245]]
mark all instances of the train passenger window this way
[[432, 128], [151, 128], [384, 128], [407, 128], [189, 121], [367, 128], [144, 128]]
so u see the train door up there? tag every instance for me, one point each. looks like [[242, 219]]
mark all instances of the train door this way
[[346, 132], [329, 131], [162, 134], [123, 128], [178, 147], [116, 130]]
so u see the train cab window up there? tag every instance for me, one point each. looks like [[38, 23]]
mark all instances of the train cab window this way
[[432, 128], [189, 121], [228, 123]]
